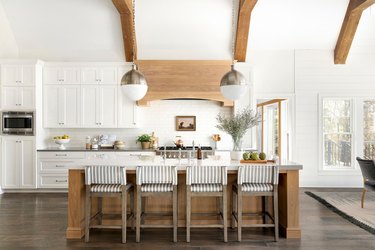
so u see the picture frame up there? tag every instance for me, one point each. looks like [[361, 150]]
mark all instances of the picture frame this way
[[186, 123]]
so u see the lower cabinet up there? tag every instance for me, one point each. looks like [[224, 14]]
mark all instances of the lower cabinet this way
[[18, 162]]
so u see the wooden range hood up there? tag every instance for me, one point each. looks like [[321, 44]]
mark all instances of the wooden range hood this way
[[171, 79]]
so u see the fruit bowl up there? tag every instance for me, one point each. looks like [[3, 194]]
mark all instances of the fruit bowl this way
[[62, 142]]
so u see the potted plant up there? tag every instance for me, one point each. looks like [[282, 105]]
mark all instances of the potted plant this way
[[145, 141], [236, 126]]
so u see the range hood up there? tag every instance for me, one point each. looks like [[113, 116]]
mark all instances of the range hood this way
[[181, 79]]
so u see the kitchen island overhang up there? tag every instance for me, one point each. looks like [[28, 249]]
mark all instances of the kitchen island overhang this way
[[288, 191]]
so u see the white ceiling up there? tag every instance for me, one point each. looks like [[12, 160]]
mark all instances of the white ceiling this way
[[90, 30]]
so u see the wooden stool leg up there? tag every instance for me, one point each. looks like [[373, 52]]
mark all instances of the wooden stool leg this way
[[132, 212], [225, 213], [234, 209], [123, 214], [87, 213], [363, 198], [138, 216], [175, 214], [143, 210], [239, 213], [188, 212], [276, 212]]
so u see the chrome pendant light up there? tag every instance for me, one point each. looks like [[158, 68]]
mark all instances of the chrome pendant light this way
[[233, 84], [133, 83]]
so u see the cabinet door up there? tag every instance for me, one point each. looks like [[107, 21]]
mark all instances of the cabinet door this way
[[89, 76], [27, 73], [10, 98], [127, 112], [51, 75], [10, 75], [71, 75], [27, 163], [108, 76], [70, 106], [10, 162], [27, 97], [51, 107], [108, 106], [89, 106]]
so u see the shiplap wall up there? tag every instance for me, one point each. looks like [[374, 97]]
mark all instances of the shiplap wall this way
[[316, 74]]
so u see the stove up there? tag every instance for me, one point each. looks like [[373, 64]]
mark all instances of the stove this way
[[184, 152]]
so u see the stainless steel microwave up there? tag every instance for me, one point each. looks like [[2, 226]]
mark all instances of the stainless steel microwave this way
[[17, 123]]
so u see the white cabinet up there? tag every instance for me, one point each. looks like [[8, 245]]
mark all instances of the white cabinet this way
[[61, 75], [18, 98], [15, 75], [53, 168], [127, 112], [102, 75], [18, 163], [62, 106], [99, 106]]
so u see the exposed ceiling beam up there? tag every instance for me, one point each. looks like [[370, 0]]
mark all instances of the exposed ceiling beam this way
[[125, 9], [349, 27], [243, 24]]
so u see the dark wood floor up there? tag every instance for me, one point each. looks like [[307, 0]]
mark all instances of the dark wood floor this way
[[35, 221]]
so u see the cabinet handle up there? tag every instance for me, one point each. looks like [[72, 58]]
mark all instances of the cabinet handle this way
[[61, 155], [60, 166], [61, 181]]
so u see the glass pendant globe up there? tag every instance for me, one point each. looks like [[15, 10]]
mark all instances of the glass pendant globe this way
[[233, 84], [134, 85]]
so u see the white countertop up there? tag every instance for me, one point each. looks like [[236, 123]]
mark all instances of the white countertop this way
[[131, 162]]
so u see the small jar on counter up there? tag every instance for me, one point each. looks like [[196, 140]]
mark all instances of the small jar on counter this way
[[88, 142]]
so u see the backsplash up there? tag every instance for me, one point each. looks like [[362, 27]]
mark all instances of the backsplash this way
[[159, 117]]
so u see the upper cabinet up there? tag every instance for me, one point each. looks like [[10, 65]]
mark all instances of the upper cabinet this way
[[17, 75], [61, 75], [15, 98], [102, 75]]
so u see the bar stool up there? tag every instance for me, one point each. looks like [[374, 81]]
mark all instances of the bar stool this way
[[156, 180], [107, 181], [256, 180], [204, 181]]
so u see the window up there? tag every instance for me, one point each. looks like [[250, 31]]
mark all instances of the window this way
[[337, 137], [369, 129]]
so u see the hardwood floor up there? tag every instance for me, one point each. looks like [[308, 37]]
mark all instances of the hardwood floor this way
[[38, 221]]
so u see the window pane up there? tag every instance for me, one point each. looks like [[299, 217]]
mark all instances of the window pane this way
[[337, 149], [369, 129], [336, 125], [336, 108]]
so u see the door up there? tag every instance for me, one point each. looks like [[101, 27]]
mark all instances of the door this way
[[69, 103], [108, 76], [10, 98], [27, 163], [89, 76], [10, 75], [52, 75], [27, 99], [27, 75], [51, 107], [127, 112], [108, 106], [71, 75], [10, 162], [90, 106]]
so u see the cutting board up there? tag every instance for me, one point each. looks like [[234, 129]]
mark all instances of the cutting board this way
[[253, 161]]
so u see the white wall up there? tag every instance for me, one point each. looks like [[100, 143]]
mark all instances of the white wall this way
[[160, 118], [8, 45]]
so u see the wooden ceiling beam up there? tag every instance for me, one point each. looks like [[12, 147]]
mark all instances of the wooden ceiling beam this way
[[349, 27], [125, 9], [243, 25]]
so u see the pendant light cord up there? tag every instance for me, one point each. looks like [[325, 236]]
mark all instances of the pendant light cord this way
[[234, 25], [133, 32]]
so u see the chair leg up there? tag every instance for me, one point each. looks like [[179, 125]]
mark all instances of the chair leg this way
[[124, 195], [239, 213], [234, 209], [276, 212], [132, 212], [363, 198], [175, 214], [138, 215], [87, 213], [100, 208], [143, 200], [264, 208], [188, 212], [225, 213]]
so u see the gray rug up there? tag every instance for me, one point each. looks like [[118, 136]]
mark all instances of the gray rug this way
[[348, 205]]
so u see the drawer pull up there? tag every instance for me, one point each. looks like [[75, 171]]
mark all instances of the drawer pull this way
[[61, 181], [61, 155], [60, 166]]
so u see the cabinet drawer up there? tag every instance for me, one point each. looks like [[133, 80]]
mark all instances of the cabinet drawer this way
[[101, 155], [53, 181], [54, 166], [61, 155], [136, 153]]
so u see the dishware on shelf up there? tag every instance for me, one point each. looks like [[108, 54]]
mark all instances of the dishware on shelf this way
[[62, 142]]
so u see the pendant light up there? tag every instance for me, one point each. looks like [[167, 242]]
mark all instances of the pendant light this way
[[233, 84], [133, 83]]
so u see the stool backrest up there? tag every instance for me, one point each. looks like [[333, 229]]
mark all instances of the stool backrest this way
[[206, 175], [105, 175], [367, 169], [159, 174], [258, 174]]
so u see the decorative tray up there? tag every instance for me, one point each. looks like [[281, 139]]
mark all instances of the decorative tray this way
[[255, 161]]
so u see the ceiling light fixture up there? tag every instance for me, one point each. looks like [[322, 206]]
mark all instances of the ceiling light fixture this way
[[133, 83], [233, 84]]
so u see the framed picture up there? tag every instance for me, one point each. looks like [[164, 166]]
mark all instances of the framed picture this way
[[185, 123]]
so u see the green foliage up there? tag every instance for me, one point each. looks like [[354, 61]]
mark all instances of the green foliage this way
[[144, 138], [237, 125]]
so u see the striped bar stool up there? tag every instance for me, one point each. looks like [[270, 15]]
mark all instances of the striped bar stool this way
[[107, 181], [204, 181], [156, 180], [254, 180]]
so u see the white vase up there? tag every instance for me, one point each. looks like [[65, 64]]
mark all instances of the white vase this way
[[236, 155]]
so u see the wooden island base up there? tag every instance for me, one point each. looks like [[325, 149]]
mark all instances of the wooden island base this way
[[288, 204]]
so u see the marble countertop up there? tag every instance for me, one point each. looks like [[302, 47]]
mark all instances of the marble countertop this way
[[82, 149]]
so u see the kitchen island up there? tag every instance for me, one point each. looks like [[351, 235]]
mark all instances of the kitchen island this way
[[288, 194]]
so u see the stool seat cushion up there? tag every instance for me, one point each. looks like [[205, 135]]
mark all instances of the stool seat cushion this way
[[257, 187], [156, 188], [107, 188], [206, 188]]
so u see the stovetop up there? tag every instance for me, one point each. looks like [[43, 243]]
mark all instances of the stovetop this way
[[185, 148]]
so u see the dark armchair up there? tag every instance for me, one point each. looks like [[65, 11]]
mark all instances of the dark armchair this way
[[368, 173]]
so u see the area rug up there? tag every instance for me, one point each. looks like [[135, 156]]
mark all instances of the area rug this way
[[348, 205]]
